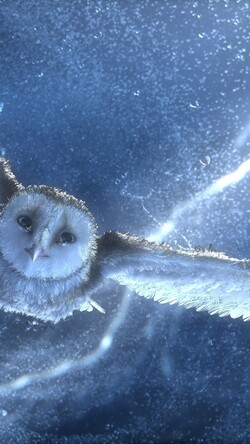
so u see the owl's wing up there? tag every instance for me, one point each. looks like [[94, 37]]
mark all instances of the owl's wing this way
[[203, 280], [8, 182]]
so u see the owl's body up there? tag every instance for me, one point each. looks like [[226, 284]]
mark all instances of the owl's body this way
[[36, 297], [44, 299], [52, 261]]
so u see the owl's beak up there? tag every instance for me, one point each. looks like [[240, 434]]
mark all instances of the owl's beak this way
[[35, 252]]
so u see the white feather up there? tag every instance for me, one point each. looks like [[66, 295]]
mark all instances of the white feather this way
[[207, 282]]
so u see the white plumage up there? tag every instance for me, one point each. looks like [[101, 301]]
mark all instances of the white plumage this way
[[52, 261]]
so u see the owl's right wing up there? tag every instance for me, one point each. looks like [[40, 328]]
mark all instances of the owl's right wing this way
[[8, 182], [204, 280]]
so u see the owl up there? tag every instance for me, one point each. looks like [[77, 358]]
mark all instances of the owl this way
[[52, 261]]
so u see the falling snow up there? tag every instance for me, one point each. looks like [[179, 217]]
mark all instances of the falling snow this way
[[142, 110]]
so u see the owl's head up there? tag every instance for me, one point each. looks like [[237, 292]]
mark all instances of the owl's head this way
[[47, 234]]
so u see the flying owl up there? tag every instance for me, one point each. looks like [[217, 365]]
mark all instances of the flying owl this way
[[52, 261]]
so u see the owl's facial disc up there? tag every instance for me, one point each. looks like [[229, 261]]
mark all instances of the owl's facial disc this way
[[45, 237]]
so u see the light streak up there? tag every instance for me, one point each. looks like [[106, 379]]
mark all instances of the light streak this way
[[71, 364], [215, 188]]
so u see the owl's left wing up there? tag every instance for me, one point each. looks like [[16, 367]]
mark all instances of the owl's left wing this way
[[203, 280], [8, 182]]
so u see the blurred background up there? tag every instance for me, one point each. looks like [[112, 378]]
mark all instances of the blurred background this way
[[136, 107]]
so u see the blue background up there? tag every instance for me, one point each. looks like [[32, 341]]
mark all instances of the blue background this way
[[134, 106]]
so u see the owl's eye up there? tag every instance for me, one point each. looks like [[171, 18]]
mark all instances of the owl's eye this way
[[66, 238], [25, 222]]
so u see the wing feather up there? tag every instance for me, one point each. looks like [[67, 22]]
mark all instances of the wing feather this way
[[206, 281]]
